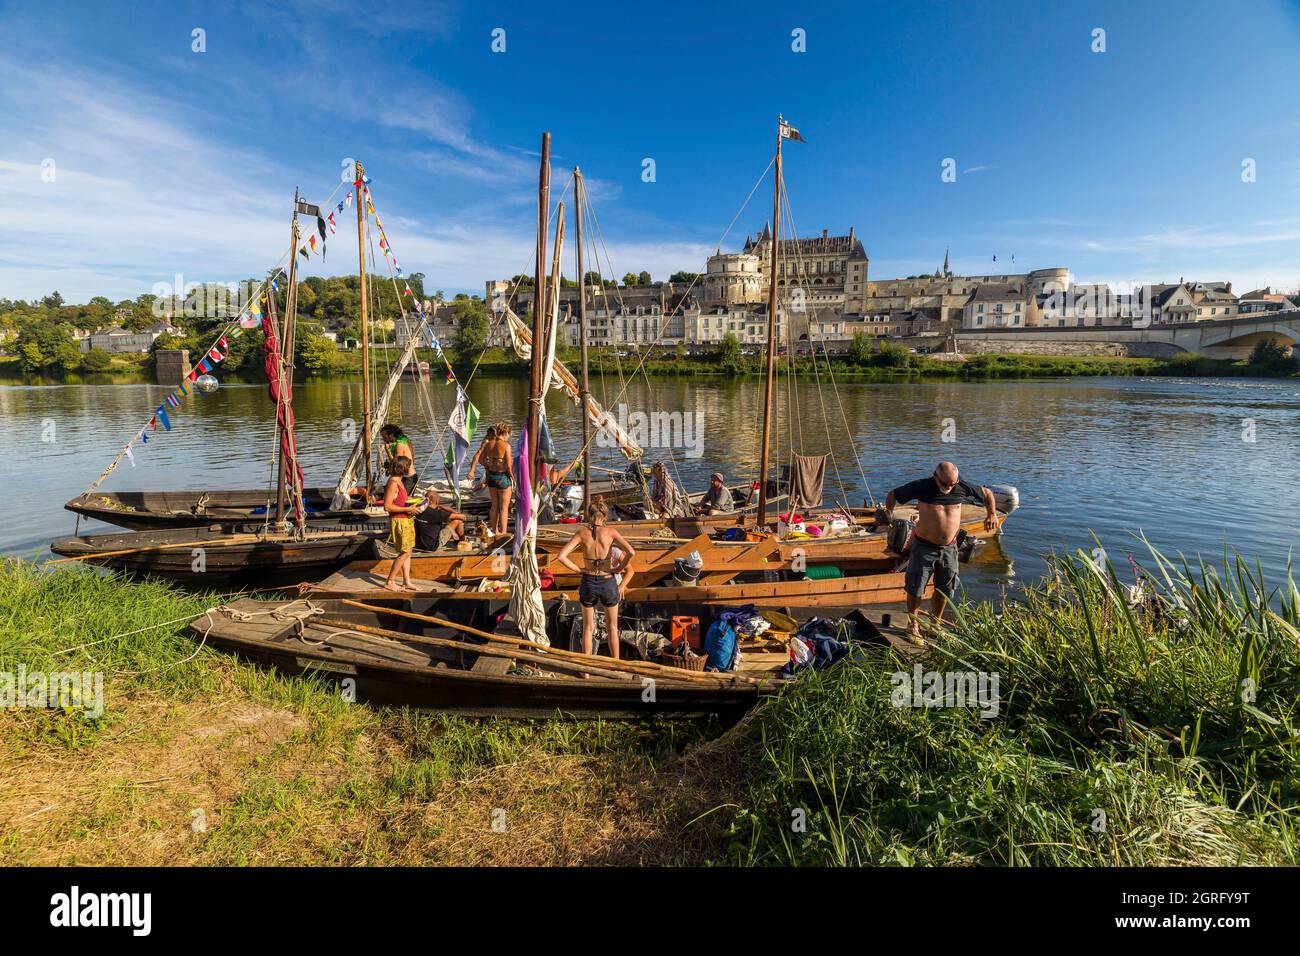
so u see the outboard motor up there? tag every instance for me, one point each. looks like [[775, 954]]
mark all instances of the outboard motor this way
[[1006, 497], [567, 502]]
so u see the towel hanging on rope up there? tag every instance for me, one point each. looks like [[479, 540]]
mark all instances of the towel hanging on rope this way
[[807, 475]]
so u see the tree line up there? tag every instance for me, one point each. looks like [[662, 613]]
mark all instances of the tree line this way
[[42, 333]]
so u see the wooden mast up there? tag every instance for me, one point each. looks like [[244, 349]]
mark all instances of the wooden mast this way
[[579, 199], [535, 383], [365, 324], [771, 336], [286, 355]]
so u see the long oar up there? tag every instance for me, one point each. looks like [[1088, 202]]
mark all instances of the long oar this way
[[646, 667], [546, 659]]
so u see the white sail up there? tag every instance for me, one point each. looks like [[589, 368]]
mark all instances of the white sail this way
[[521, 338]]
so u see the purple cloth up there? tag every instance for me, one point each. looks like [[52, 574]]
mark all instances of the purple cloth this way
[[524, 512]]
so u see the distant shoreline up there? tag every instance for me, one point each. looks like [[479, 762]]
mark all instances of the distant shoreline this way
[[896, 367]]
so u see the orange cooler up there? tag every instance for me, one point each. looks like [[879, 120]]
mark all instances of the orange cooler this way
[[688, 629]]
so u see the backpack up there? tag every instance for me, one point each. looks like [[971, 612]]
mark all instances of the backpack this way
[[900, 536], [720, 646]]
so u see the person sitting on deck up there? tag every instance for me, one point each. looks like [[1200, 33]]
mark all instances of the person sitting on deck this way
[[666, 500], [600, 569], [437, 525], [401, 523], [939, 499], [717, 499]]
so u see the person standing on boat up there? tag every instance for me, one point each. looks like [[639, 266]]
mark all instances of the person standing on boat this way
[[939, 499], [401, 523], [600, 569], [494, 455], [397, 445]]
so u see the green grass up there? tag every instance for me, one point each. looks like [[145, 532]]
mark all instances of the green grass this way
[[1106, 713]]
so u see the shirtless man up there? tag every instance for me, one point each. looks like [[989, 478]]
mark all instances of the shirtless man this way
[[600, 584], [934, 540]]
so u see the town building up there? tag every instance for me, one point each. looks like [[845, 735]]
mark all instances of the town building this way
[[1263, 300], [826, 294], [116, 339]]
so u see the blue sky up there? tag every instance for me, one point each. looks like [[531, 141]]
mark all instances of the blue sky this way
[[1123, 165]]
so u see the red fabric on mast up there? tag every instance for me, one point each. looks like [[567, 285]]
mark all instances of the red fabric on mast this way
[[276, 387]]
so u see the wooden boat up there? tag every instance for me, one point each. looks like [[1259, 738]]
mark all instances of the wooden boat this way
[[441, 656], [866, 541], [364, 579], [225, 551], [400, 661], [144, 510]]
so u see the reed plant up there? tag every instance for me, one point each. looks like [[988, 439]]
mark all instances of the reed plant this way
[[1147, 723]]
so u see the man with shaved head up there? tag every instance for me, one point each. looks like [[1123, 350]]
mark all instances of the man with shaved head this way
[[934, 540]]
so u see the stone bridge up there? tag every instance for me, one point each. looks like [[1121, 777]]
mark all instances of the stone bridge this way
[[1224, 338]]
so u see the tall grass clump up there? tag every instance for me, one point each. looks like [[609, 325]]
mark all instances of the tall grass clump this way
[[1144, 724]]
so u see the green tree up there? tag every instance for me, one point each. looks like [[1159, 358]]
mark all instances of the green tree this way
[[47, 347], [53, 300], [686, 277], [644, 279], [895, 356], [630, 278], [1271, 357], [860, 349], [471, 329], [314, 353], [96, 360], [730, 356]]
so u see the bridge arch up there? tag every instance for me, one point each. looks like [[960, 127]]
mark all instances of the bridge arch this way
[[1285, 332]]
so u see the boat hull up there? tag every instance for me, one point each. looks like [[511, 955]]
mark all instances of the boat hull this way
[[197, 554], [393, 672]]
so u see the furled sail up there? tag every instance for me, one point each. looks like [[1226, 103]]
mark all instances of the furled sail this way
[[524, 576], [521, 338], [348, 479]]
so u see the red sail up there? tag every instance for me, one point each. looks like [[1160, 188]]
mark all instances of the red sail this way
[[278, 388]]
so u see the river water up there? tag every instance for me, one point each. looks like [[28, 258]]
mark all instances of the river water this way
[[1199, 465]]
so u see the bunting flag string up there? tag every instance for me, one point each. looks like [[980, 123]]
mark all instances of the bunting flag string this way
[[387, 247], [248, 317]]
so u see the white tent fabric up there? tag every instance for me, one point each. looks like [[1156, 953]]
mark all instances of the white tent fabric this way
[[348, 479]]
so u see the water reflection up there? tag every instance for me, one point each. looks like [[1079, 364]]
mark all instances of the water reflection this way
[[1115, 456]]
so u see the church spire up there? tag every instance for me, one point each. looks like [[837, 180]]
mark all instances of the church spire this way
[[946, 272]]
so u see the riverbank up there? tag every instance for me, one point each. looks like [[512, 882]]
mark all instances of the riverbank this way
[[894, 365], [1119, 738]]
